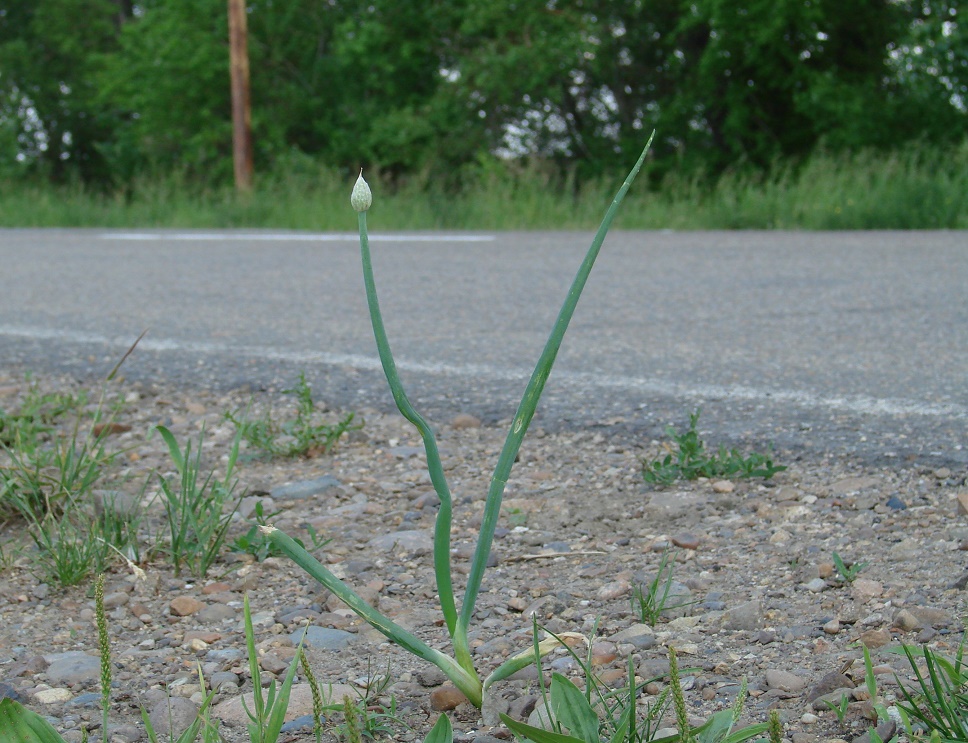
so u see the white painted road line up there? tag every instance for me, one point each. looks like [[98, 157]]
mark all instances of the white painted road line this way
[[291, 237], [858, 404]]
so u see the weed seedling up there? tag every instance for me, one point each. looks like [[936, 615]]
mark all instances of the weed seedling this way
[[691, 460], [651, 600], [196, 517], [848, 573], [305, 435], [941, 707], [839, 709]]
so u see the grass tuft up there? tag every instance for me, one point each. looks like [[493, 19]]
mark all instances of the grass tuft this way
[[691, 460]]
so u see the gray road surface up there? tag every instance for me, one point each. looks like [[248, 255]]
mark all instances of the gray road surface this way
[[827, 344]]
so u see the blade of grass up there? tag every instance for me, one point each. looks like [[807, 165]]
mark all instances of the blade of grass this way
[[529, 403]]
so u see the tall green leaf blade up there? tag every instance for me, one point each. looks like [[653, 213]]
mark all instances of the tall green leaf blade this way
[[173, 449], [529, 403]]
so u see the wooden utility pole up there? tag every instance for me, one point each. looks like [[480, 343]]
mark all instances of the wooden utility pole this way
[[241, 108]]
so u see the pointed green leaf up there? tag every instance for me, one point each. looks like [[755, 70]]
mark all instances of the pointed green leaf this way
[[441, 732], [538, 735], [21, 725], [572, 709]]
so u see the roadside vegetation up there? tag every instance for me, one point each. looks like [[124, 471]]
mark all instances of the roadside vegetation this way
[[921, 187]]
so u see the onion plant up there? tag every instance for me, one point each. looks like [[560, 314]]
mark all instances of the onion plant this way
[[459, 667]]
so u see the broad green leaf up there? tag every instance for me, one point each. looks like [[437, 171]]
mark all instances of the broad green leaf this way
[[441, 732], [572, 709], [21, 725]]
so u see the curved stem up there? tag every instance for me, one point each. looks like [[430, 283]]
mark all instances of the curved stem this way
[[442, 526]]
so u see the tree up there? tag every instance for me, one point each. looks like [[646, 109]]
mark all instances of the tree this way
[[50, 54]]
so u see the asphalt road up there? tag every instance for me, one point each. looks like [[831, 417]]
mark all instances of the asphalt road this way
[[826, 344]]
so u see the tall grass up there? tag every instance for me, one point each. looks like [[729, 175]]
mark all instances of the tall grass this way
[[912, 188]]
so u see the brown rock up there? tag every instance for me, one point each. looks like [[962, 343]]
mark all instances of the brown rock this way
[[928, 616], [825, 570], [875, 638], [107, 429], [184, 606], [864, 589], [723, 486], [465, 420], [207, 637], [272, 663], [854, 485], [686, 541], [215, 588], [906, 621], [445, 698], [614, 590], [963, 503]]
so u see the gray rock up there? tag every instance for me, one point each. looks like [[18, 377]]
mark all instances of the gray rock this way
[[641, 636], [542, 716], [745, 617], [214, 613], [171, 717], [929, 616], [429, 677], [784, 680], [73, 668], [224, 655], [816, 585], [820, 704], [303, 722], [672, 505], [830, 682], [220, 678], [305, 489], [413, 542], [8, 692], [885, 731], [85, 700], [126, 733], [324, 638]]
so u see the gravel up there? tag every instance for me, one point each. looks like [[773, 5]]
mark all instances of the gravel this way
[[579, 532]]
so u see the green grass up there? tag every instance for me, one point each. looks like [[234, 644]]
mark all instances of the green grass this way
[[913, 188], [304, 435], [690, 460]]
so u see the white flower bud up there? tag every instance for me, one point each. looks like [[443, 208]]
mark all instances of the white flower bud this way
[[361, 199]]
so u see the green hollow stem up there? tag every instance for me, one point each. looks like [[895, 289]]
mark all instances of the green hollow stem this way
[[445, 587], [465, 680], [529, 403]]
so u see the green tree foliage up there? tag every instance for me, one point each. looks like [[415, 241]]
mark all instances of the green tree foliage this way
[[51, 52], [107, 88]]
